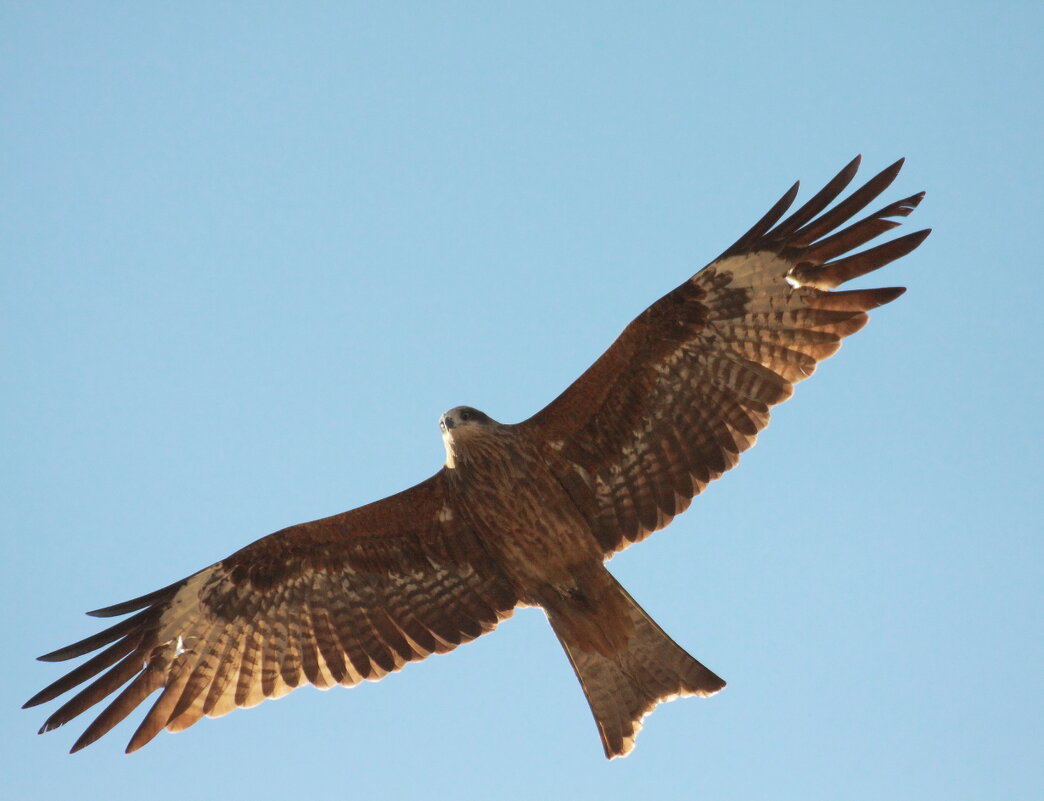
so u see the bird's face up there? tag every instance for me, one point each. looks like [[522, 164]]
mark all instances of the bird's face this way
[[458, 425], [461, 420]]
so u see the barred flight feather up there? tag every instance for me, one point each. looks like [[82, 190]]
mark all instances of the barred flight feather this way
[[213, 643], [520, 514], [767, 317]]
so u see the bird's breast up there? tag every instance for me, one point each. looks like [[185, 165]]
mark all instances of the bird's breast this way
[[528, 522]]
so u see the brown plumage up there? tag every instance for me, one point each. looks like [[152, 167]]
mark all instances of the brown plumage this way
[[519, 514]]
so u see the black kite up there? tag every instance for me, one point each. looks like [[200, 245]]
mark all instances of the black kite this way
[[519, 514]]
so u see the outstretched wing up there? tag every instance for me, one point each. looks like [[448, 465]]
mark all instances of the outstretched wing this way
[[688, 384], [334, 601]]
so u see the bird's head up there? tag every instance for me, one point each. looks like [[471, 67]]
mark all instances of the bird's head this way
[[458, 425]]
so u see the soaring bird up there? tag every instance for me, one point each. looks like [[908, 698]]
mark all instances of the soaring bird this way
[[519, 514]]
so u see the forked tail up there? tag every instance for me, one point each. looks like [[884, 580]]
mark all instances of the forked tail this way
[[622, 687]]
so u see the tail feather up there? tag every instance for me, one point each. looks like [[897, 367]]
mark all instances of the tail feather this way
[[625, 686]]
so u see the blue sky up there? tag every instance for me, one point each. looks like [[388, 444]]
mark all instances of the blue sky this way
[[251, 252]]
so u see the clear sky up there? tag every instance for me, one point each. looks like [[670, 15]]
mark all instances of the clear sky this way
[[250, 252]]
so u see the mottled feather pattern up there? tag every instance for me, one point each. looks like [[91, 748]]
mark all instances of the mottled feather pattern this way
[[323, 603], [622, 689], [688, 385], [520, 514]]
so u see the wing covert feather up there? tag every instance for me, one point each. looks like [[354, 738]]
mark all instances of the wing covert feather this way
[[334, 601], [688, 384]]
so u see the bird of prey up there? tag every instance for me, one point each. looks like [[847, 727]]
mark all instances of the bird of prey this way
[[519, 514]]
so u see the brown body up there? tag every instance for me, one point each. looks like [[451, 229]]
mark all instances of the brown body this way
[[531, 528], [546, 548], [520, 514]]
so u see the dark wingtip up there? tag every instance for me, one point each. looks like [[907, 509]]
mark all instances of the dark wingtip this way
[[917, 237], [85, 739], [763, 225], [134, 604], [852, 167], [103, 637], [36, 700], [888, 174], [901, 208], [888, 294], [54, 656]]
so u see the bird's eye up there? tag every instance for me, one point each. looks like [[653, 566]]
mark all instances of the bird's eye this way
[[465, 415]]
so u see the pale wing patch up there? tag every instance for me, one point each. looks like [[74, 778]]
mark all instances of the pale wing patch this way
[[184, 608]]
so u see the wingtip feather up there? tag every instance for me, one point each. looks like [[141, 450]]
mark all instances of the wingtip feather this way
[[893, 293], [134, 604], [770, 218]]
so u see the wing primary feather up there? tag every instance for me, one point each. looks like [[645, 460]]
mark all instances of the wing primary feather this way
[[835, 273], [138, 603], [198, 680], [765, 223], [901, 208], [855, 299], [859, 233], [823, 198], [160, 712], [88, 670], [103, 686], [846, 240], [103, 637], [199, 674], [146, 683], [847, 208]]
